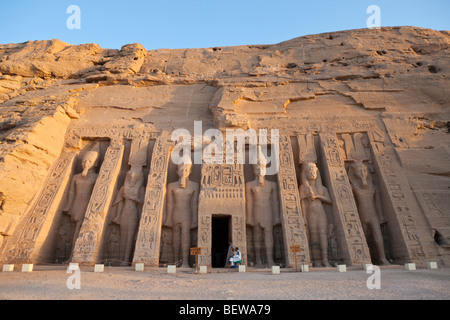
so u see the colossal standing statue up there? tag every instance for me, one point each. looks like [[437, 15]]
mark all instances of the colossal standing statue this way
[[312, 194], [263, 211], [182, 210], [80, 191], [128, 200], [364, 190]]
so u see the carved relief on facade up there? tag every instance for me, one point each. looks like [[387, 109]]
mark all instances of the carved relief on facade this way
[[147, 247], [181, 217], [88, 245], [352, 243], [293, 224], [222, 192], [359, 165], [124, 215], [263, 216], [30, 243], [406, 241], [315, 200]]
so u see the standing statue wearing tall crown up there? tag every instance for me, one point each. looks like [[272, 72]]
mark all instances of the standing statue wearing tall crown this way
[[182, 210], [312, 196], [263, 212]]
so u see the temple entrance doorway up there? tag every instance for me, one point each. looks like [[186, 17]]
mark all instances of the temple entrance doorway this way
[[221, 235]]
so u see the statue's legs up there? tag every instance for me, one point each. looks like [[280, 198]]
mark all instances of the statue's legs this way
[[268, 239], [379, 243], [318, 238], [128, 228], [176, 241], [324, 242], [257, 244], [185, 243]]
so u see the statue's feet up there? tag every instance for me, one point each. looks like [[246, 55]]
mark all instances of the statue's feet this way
[[326, 264], [384, 262]]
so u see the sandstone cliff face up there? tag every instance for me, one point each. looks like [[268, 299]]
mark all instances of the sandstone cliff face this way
[[399, 75]]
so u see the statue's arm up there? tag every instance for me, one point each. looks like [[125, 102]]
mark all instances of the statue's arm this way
[[117, 206], [324, 196], [194, 207], [169, 206], [71, 196], [303, 204], [249, 204], [275, 204]]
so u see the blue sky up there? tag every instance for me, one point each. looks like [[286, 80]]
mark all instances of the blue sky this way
[[205, 23]]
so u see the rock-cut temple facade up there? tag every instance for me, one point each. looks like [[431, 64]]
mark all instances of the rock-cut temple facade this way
[[344, 139]]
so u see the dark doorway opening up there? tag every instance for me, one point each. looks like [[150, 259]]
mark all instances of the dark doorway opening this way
[[221, 235]]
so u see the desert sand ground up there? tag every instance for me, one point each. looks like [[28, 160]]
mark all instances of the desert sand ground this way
[[124, 283]]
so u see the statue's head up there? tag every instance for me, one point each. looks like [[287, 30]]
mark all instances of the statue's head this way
[[259, 168], [184, 170], [360, 171], [134, 175], [89, 161], [309, 170]]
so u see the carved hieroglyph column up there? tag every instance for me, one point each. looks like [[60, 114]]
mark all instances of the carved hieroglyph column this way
[[292, 221], [88, 244], [408, 246], [149, 234], [26, 248], [345, 212], [222, 193]]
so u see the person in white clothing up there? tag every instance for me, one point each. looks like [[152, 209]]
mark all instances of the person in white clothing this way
[[237, 258]]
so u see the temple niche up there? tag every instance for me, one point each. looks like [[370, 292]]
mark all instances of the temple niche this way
[[265, 246], [123, 218], [359, 163], [180, 215], [69, 218], [316, 202]]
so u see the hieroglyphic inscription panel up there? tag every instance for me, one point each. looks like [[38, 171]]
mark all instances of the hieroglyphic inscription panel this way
[[398, 200], [353, 243], [222, 193], [291, 216], [149, 234], [87, 245], [26, 247]]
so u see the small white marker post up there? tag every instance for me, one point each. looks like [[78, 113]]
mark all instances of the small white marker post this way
[[410, 266], [28, 267], [275, 269], [171, 269], [341, 268], [99, 268], [8, 267], [139, 267]]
